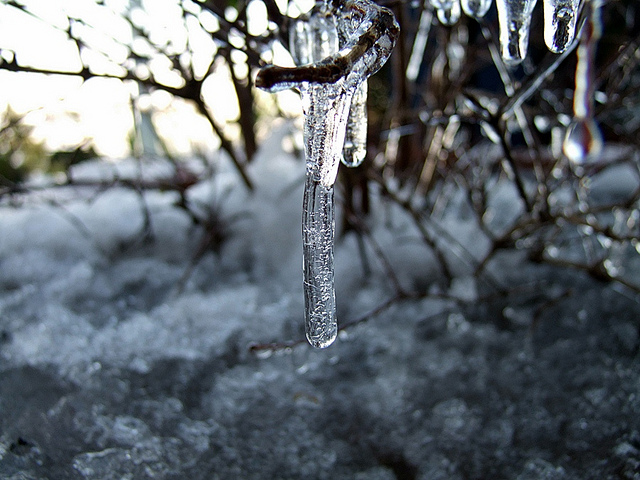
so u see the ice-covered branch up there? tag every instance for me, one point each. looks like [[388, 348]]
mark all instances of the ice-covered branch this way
[[370, 46]]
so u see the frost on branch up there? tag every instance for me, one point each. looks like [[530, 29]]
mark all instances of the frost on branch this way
[[337, 46]]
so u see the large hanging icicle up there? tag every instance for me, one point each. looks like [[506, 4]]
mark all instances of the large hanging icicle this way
[[327, 81], [514, 20], [583, 140], [560, 23]]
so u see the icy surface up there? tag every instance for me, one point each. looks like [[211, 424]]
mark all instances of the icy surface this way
[[108, 371], [514, 20]]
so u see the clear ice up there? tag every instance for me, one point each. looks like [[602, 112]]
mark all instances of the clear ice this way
[[514, 20], [476, 8], [337, 47], [583, 139], [560, 23], [355, 142], [447, 11], [314, 37]]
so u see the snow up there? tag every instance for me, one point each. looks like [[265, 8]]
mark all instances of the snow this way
[[109, 370]]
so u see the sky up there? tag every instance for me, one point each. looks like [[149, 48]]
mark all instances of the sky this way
[[65, 110]]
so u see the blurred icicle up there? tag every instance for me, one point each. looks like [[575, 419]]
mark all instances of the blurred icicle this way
[[447, 11], [419, 45], [560, 23], [514, 20], [476, 8], [583, 140], [314, 36], [328, 79]]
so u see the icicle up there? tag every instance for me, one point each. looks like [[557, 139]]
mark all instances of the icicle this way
[[447, 11], [583, 139], [355, 142], [514, 19], [327, 86], [476, 8], [314, 36], [325, 112], [560, 23]]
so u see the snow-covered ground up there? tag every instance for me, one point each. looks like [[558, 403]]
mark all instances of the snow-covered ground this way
[[110, 370]]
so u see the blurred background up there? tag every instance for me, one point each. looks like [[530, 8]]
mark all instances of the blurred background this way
[[174, 79]]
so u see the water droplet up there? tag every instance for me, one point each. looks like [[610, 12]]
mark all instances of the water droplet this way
[[542, 123], [552, 251], [583, 141], [611, 268]]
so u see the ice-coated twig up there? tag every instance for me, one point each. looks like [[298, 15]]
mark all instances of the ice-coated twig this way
[[583, 140], [369, 48], [327, 80]]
